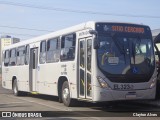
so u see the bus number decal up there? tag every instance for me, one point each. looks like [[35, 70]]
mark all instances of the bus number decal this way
[[64, 69], [123, 87]]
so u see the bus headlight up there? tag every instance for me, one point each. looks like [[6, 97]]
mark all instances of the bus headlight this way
[[102, 82], [153, 83]]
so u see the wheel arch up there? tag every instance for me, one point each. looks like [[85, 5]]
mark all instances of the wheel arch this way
[[61, 80], [13, 78]]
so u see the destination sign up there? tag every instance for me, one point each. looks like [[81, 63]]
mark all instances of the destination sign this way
[[128, 29], [123, 28]]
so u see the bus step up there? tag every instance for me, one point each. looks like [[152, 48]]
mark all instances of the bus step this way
[[85, 99], [34, 92]]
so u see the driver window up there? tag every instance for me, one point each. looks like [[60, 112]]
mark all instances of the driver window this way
[[68, 47]]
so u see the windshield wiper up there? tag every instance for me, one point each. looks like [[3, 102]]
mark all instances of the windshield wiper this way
[[133, 52], [122, 50], [138, 41]]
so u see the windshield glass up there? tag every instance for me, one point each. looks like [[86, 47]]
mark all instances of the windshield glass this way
[[125, 55], [157, 50]]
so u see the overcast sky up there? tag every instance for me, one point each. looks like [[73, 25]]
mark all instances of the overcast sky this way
[[54, 15]]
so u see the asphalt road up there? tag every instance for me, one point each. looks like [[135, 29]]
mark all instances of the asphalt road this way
[[54, 109]]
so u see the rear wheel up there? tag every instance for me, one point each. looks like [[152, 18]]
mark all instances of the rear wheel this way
[[66, 95]]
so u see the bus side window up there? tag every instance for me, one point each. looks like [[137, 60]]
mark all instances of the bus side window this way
[[42, 57], [21, 55], [6, 58], [27, 55], [53, 53], [68, 47], [12, 61]]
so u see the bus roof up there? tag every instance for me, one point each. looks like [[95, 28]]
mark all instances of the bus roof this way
[[89, 24]]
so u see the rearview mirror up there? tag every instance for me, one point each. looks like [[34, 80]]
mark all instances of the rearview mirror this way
[[96, 43]]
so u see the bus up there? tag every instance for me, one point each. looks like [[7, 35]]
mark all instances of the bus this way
[[93, 61], [157, 59]]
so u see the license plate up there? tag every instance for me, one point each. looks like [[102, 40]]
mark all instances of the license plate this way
[[130, 96], [123, 87]]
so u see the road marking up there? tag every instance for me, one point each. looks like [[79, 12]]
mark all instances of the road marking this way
[[31, 101], [58, 108], [12, 103]]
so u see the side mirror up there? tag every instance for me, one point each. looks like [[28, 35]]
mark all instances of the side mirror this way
[[96, 43]]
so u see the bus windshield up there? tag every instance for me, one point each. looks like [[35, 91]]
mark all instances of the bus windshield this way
[[125, 55]]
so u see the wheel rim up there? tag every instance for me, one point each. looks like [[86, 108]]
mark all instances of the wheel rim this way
[[66, 94]]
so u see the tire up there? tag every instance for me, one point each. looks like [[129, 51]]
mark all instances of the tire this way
[[60, 94], [158, 88], [60, 99], [16, 92], [67, 101]]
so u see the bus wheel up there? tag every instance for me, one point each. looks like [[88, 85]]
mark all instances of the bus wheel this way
[[66, 95], [158, 89], [15, 88]]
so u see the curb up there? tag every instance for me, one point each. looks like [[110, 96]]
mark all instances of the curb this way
[[155, 103]]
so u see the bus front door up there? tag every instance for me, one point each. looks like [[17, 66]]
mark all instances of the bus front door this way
[[33, 69], [85, 73]]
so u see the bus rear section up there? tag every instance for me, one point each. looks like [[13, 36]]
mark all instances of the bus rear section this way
[[123, 64]]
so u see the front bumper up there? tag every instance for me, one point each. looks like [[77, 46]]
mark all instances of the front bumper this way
[[101, 94]]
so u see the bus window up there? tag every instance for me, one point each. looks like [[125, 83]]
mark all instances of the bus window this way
[[42, 57], [143, 52], [53, 52], [68, 47], [21, 55], [89, 53], [27, 55], [157, 49], [6, 58], [12, 60], [82, 50]]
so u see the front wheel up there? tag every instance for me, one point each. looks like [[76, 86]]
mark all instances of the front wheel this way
[[15, 88], [66, 95], [158, 88]]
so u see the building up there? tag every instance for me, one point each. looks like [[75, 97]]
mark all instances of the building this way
[[5, 41]]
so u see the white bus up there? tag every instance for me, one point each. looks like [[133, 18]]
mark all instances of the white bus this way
[[93, 61]]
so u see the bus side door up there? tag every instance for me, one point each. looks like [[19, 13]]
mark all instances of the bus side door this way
[[33, 69], [85, 73]]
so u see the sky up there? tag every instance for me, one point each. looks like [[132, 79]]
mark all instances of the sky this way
[[56, 14]]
